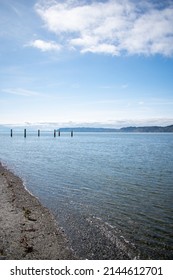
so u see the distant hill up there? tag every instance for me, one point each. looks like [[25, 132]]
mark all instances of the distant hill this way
[[149, 129]]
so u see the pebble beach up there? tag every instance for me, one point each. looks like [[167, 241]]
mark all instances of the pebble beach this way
[[27, 229]]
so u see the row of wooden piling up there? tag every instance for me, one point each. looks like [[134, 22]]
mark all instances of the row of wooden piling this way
[[38, 133]]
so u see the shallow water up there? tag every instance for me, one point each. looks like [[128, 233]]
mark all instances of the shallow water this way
[[112, 193]]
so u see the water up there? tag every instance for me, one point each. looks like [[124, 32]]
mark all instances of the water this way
[[112, 193]]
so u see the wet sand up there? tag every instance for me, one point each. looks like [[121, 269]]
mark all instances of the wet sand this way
[[27, 229]]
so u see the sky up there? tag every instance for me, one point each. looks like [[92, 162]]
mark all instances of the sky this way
[[92, 63]]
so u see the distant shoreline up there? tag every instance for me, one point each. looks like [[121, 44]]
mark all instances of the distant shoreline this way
[[129, 129], [27, 229], [140, 129]]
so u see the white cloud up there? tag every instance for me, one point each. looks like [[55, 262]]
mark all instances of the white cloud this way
[[152, 33], [45, 46], [110, 27], [101, 48]]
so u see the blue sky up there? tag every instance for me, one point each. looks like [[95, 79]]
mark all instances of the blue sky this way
[[92, 63]]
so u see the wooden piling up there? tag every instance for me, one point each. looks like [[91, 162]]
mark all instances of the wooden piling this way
[[11, 133], [54, 132], [59, 133], [39, 133], [72, 133], [25, 132]]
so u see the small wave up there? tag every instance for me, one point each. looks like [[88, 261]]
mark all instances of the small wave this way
[[125, 248]]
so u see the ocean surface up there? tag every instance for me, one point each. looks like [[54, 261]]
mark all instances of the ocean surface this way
[[112, 193]]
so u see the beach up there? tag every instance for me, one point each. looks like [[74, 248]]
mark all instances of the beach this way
[[27, 229]]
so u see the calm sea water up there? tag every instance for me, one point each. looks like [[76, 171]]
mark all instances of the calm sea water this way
[[112, 193]]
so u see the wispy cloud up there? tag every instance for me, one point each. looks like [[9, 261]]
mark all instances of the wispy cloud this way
[[45, 45], [14, 8], [21, 92], [110, 27]]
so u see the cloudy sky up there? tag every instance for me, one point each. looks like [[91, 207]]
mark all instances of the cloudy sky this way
[[103, 63]]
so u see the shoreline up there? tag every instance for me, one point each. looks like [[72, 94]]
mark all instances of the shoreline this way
[[28, 230]]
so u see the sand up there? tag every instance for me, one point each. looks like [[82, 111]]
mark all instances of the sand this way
[[27, 229]]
